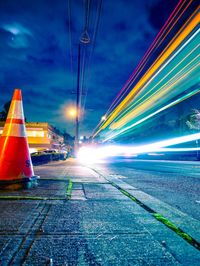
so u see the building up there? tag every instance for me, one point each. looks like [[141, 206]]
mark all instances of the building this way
[[41, 136]]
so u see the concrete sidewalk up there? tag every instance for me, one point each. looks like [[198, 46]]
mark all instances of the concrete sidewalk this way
[[77, 217]]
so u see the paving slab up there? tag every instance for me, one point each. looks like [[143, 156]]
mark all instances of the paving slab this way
[[95, 225], [102, 250], [45, 188]]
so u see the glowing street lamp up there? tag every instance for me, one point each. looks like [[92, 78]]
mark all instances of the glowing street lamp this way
[[72, 112]]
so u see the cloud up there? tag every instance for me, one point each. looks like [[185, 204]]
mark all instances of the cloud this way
[[20, 35], [16, 29], [36, 53]]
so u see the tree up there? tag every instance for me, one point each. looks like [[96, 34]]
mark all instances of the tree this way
[[68, 139], [4, 113], [193, 123]]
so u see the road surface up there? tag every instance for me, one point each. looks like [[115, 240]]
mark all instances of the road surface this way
[[174, 182]]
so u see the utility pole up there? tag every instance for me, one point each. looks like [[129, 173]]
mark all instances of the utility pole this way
[[84, 40], [76, 143]]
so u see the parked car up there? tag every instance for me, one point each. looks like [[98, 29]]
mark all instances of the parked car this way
[[37, 153], [50, 151]]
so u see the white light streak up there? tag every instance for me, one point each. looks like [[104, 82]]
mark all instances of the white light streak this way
[[97, 154]]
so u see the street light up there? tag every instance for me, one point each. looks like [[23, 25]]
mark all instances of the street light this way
[[72, 112]]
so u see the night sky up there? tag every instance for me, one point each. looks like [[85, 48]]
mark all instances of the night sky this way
[[38, 53]]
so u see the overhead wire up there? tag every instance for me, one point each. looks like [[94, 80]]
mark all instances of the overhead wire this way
[[70, 35], [83, 54], [93, 41]]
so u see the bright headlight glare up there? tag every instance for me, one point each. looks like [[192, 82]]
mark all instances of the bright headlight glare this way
[[92, 155]]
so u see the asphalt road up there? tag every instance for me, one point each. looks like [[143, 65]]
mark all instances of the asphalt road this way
[[176, 183]]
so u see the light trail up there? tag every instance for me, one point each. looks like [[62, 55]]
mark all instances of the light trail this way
[[172, 78], [147, 92], [165, 88], [188, 29], [145, 58], [134, 111], [177, 149], [97, 154], [151, 115], [146, 106]]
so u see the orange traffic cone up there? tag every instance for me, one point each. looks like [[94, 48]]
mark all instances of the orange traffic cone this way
[[15, 161]]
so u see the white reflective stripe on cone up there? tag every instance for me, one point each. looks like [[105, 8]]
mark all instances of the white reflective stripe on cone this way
[[14, 130], [16, 110]]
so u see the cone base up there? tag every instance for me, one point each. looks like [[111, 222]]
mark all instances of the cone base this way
[[25, 183]]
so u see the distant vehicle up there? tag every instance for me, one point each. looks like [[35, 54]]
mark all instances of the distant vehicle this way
[[37, 153], [50, 151]]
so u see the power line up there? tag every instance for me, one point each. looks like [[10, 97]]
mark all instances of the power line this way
[[84, 40], [94, 36], [70, 36]]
